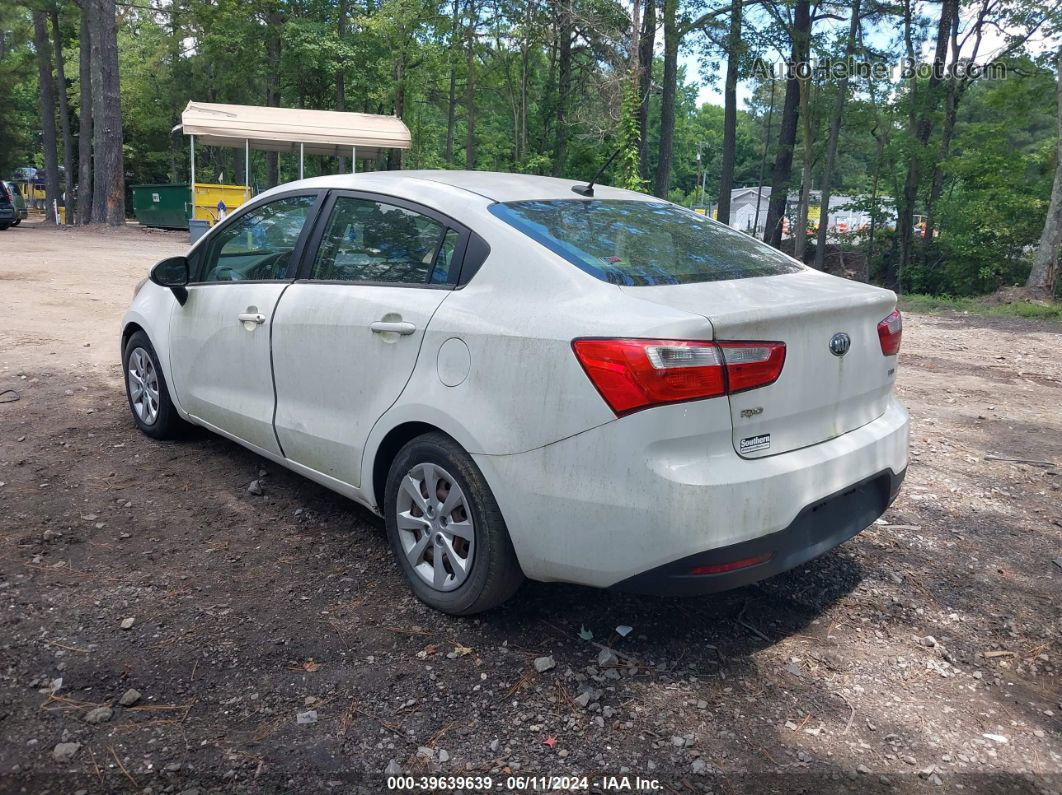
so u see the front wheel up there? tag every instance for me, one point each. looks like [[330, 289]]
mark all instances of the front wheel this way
[[446, 529], [145, 386]]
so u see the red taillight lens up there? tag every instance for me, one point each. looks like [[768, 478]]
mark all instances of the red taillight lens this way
[[750, 365], [734, 565], [635, 374], [890, 332]]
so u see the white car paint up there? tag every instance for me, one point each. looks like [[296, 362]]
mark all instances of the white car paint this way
[[587, 497]]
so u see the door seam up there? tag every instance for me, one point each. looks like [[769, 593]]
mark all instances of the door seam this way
[[273, 370]]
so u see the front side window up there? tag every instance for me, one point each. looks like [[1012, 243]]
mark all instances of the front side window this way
[[643, 243], [369, 241], [260, 244]]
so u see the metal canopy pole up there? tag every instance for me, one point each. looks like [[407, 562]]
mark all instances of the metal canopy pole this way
[[300, 160], [191, 139], [246, 162], [353, 160]]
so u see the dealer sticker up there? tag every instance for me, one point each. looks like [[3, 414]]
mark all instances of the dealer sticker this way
[[752, 443]]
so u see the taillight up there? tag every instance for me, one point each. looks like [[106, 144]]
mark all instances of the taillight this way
[[890, 331], [633, 374]]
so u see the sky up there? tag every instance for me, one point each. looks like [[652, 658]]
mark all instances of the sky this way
[[993, 42]]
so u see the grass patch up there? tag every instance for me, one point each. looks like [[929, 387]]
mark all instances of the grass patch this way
[[921, 304]]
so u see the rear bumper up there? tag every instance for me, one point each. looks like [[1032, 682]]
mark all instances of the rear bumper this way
[[660, 487], [817, 529]]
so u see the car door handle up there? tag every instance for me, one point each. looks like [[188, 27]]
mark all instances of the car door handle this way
[[386, 327], [251, 317]]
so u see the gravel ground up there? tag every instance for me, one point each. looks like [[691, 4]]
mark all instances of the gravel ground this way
[[163, 629]]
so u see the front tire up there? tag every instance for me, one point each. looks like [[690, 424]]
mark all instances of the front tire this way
[[145, 387], [446, 529]]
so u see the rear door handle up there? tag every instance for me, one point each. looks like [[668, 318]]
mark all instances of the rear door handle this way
[[251, 317], [385, 327]]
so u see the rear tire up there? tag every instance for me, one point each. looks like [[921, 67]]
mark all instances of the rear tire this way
[[19, 221], [147, 392], [452, 545]]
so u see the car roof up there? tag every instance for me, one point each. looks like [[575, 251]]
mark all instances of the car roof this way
[[493, 185]]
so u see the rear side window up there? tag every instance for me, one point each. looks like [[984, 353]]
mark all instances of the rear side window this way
[[370, 241], [643, 243]]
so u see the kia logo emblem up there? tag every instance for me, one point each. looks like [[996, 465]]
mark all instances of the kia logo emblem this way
[[840, 343]]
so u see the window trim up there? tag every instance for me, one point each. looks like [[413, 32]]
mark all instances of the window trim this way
[[204, 249], [457, 276]]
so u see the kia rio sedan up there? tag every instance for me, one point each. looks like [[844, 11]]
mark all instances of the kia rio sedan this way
[[530, 377]]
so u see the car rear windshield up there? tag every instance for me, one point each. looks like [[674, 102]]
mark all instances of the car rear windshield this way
[[643, 243]]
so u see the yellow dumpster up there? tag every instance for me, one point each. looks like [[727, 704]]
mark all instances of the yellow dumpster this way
[[211, 203]]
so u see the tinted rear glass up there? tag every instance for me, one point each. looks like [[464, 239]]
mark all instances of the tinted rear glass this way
[[643, 243]]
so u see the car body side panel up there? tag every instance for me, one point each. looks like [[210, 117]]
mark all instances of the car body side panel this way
[[151, 311], [517, 318]]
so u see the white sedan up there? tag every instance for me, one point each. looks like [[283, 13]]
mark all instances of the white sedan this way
[[531, 377]]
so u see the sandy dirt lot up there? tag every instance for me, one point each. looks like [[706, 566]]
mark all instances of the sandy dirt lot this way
[[273, 646]]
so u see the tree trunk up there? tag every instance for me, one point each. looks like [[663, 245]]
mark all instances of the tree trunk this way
[[564, 87], [84, 141], [47, 110], [763, 161], [647, 43], [923, 128], [99, 189], [783, 159], [733, 61], [273, 45], [835, 135], [177, 154], [64, 123], [951, 114], [107, 123], [451, 103], [800, 230], [1045, 266], [667, 99], [341, 75], [394, 156], [470, 90]]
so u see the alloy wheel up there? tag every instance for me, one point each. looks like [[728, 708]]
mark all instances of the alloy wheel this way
[[143, 382], [435, 526]]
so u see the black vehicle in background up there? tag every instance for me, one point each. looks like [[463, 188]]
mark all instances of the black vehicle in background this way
[[8, 213]]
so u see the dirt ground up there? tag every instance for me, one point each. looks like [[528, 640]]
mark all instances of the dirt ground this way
[[274, 647]]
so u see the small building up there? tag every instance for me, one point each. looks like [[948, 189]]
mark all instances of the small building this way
[[848, 214]]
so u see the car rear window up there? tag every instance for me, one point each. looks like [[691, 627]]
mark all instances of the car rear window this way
[[643, 243]]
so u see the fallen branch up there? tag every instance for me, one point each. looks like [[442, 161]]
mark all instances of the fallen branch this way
[[1021, 461], [742, 622], [128, 775], [851, 717]]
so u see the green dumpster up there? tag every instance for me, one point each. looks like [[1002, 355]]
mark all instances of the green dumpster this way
[[164, 206]]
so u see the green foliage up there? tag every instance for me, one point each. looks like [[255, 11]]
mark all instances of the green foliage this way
[[629, 176], [924, 304], [426, 60]]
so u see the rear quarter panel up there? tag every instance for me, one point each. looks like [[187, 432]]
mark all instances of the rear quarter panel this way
[[518, 316]]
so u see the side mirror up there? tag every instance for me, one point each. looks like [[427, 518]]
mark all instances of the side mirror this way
[[172, 272]]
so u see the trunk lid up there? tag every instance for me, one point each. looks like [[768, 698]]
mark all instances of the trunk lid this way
[[819, 395]]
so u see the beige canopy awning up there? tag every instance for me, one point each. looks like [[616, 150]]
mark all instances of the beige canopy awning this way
[[316, 132]]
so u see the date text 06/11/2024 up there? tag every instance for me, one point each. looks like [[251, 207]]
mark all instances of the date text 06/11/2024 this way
[[523, 783]]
